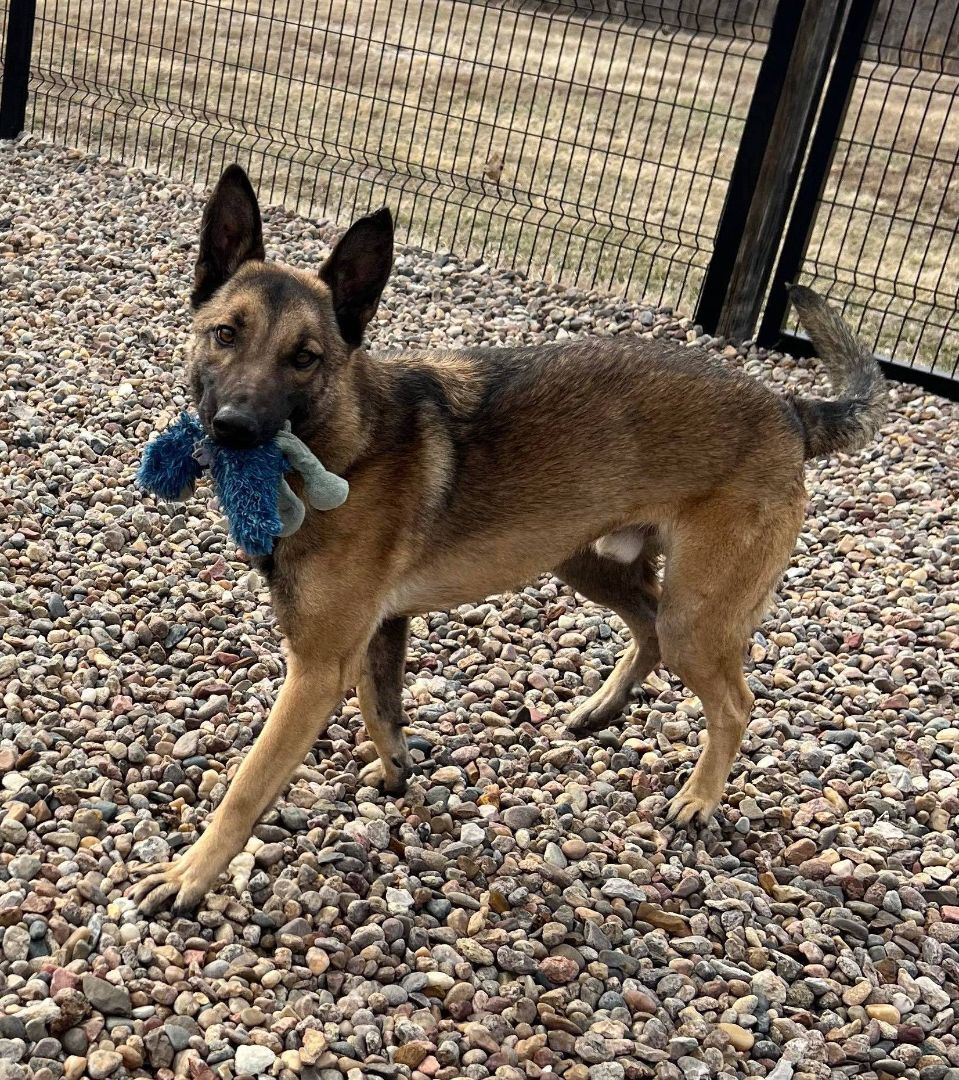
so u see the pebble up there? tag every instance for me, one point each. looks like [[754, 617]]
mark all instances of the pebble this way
[[398, 901], [521, 817], [857, 993], [16, 942], [526, 908], [932, 993], [109, 999], [254, 1059], [575, 848], [317, 960], [102, 1063], [559, 970], [619, 888]]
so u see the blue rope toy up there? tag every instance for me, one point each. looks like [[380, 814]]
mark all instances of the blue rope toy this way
[[259, 504]]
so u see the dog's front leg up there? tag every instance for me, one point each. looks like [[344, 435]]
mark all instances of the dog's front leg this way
[[303, 706], [380, 691]]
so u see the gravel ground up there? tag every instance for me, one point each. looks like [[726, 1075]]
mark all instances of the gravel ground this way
[[524, 911]]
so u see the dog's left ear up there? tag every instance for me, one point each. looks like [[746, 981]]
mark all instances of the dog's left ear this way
[[357, 271], [231, 234]]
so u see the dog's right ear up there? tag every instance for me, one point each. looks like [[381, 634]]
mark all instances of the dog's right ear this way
[[231, 234]]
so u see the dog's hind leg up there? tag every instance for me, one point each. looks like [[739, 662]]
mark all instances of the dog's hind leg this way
[[631, 589], [380, 693], [723, 563]]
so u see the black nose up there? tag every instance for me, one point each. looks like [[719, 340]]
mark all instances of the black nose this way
[[235, 427]]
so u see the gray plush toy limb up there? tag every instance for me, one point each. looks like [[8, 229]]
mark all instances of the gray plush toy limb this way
[[290, 508], [324, 490]]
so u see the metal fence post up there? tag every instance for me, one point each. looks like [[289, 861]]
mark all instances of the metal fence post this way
[[822, 149], [778, 126], [16, 67]]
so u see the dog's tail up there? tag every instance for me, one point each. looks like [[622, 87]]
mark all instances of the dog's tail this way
[[852, 420]]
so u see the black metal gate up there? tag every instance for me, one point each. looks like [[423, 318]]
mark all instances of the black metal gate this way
[[698, 152], [870, 217]]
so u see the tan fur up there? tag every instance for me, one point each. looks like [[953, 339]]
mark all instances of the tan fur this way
[[471, 472]]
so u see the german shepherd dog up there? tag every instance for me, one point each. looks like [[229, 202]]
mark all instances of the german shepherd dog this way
[[471, 472]]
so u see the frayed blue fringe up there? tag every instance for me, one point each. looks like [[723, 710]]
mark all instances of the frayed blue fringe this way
[[168, 468], [246, 481]]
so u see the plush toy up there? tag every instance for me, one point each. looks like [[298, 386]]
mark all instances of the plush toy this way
[[258, 502]]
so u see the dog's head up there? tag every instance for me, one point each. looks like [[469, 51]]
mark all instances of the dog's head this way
[[272, 343]]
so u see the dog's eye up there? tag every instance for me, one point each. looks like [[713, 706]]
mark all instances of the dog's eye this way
[[304, 359], [225, 336]]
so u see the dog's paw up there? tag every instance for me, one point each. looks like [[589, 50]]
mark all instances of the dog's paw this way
[[391, 777], [592, 715], [182, 882], [691, 806]]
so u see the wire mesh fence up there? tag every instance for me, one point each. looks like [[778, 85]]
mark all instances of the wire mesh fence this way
[[884, 240], [583, 142], [586, 143]]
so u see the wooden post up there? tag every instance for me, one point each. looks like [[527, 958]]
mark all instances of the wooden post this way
[[777, 131]]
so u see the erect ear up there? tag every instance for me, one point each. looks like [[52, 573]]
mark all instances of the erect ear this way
[[357, 270], [230, 234]]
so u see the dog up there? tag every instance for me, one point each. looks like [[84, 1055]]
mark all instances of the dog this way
[[471, 472]]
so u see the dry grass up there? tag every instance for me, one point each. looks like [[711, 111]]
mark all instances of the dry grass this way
[[616, 140], [885, 240], [583, 148]]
